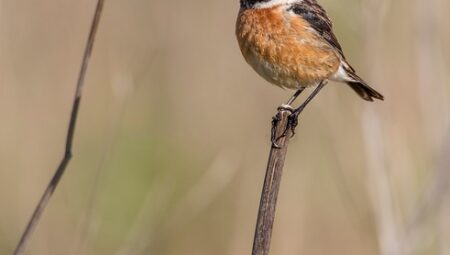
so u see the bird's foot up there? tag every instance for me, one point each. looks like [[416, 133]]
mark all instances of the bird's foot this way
[[292, 123], [276, 119], [285, 107]]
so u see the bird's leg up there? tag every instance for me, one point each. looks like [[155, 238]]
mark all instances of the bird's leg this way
[[296, 94], [275, 119], [293, 118], [288, 106]]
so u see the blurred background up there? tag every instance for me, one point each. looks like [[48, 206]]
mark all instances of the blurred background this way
[[173, 133]]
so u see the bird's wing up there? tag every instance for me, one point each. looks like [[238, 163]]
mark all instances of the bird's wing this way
[[317, 17]]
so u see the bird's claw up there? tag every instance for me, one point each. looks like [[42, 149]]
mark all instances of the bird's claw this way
[[285, 107], [273, 137], [292, 123]]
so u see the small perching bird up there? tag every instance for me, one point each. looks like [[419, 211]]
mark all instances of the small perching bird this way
[[290, 43]]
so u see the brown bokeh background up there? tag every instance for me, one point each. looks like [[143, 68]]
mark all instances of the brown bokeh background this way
[[173, 133]]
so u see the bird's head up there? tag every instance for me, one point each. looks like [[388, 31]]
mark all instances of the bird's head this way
[[252, 3], [261, 4]]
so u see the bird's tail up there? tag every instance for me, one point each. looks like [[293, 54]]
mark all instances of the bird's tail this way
[[361, 87], [365, 91]]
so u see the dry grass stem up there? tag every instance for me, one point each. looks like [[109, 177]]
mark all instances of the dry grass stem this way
[[266, 212], [69, 140]]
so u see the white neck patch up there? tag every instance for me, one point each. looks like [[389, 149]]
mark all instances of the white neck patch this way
[[273, 3]]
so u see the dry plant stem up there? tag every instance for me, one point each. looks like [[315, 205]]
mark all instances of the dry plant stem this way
[[69, 140], [266, 213]]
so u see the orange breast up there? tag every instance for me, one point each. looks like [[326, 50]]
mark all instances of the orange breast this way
[[281, 47]]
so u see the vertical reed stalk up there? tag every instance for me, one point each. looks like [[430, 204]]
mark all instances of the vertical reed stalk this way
[[267, 206]]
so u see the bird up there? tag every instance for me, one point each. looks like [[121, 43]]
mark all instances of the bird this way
[[291, 44]]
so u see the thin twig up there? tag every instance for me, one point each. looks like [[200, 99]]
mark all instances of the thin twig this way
[[69, 139], [266, 213]]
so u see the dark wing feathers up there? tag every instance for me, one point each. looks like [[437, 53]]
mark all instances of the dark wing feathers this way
[[318, 19], [316, 16]]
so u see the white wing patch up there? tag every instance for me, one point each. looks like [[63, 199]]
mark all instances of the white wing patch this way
[[341, 74]]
